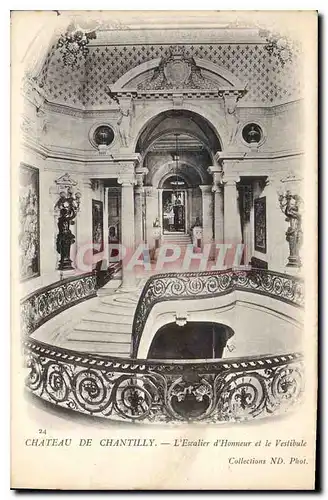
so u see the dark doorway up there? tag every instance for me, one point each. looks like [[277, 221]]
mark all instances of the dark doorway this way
[[174, 211], [195, 340]]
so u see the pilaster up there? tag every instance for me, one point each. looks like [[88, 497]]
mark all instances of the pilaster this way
[[232, 222], [207, 209]]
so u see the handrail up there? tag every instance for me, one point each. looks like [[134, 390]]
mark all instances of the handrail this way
[[46, 302], [153, 391], [206, 284]]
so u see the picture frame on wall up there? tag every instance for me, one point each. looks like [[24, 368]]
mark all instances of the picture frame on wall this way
[[29, 222], [260, 230], [97, 226]]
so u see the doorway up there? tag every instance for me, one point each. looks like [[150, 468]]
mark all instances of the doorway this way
[[174, 211], [195, 340]]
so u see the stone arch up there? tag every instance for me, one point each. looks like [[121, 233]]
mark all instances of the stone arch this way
[[165, 170], [147, 120]]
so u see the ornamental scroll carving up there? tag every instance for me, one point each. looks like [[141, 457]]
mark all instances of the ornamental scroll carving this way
[[177, 71]]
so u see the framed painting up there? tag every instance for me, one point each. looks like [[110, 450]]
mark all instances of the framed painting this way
[[29, 222], [97, 226], [260, 238]]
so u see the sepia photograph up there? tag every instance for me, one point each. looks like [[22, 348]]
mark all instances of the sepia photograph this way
[[164, 234]]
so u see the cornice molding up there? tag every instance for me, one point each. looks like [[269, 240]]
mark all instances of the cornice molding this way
[[63, 109], [257, 155], [80, 157]]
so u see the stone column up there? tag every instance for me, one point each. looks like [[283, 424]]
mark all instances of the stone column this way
[[232, 223], [207, 209], [218, 203], [106, 256], [139, 197], [84, 229], [128, 229], [152, 212]]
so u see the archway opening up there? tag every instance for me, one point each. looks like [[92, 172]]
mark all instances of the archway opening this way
[[193, 126], [194, 340]]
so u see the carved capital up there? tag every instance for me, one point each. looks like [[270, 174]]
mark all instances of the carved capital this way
[[141, 172], [217, 177], [126, 180], [230, 180], [206, 189]]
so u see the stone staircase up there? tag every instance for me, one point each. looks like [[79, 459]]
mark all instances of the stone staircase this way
[[179, 239], [107, 326]]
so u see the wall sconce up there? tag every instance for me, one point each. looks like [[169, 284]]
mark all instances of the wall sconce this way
[[291, 205], [68, 206]]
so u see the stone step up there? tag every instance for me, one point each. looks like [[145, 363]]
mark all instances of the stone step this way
[[108, 326], [100, 336], [117, 300], [111, 349], [113, 309], [124, 300], [177, 237], [109, 317], [110, 287]]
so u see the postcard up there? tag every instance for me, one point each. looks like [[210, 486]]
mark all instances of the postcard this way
[[164, 250]]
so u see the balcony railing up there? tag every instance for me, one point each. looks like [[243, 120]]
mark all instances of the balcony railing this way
[[148, 391], [201, 285], [47, 302], [135, 390]]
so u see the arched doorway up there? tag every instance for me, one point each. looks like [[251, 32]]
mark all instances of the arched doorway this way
[[177, 147], [195, 340], [174, 205]]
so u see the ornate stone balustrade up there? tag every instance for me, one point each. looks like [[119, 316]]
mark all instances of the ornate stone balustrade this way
[[45, 303], [129, 390], [200, 285]]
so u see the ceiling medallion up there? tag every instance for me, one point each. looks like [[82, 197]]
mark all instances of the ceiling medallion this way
[[278, 46], [74, 43]]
